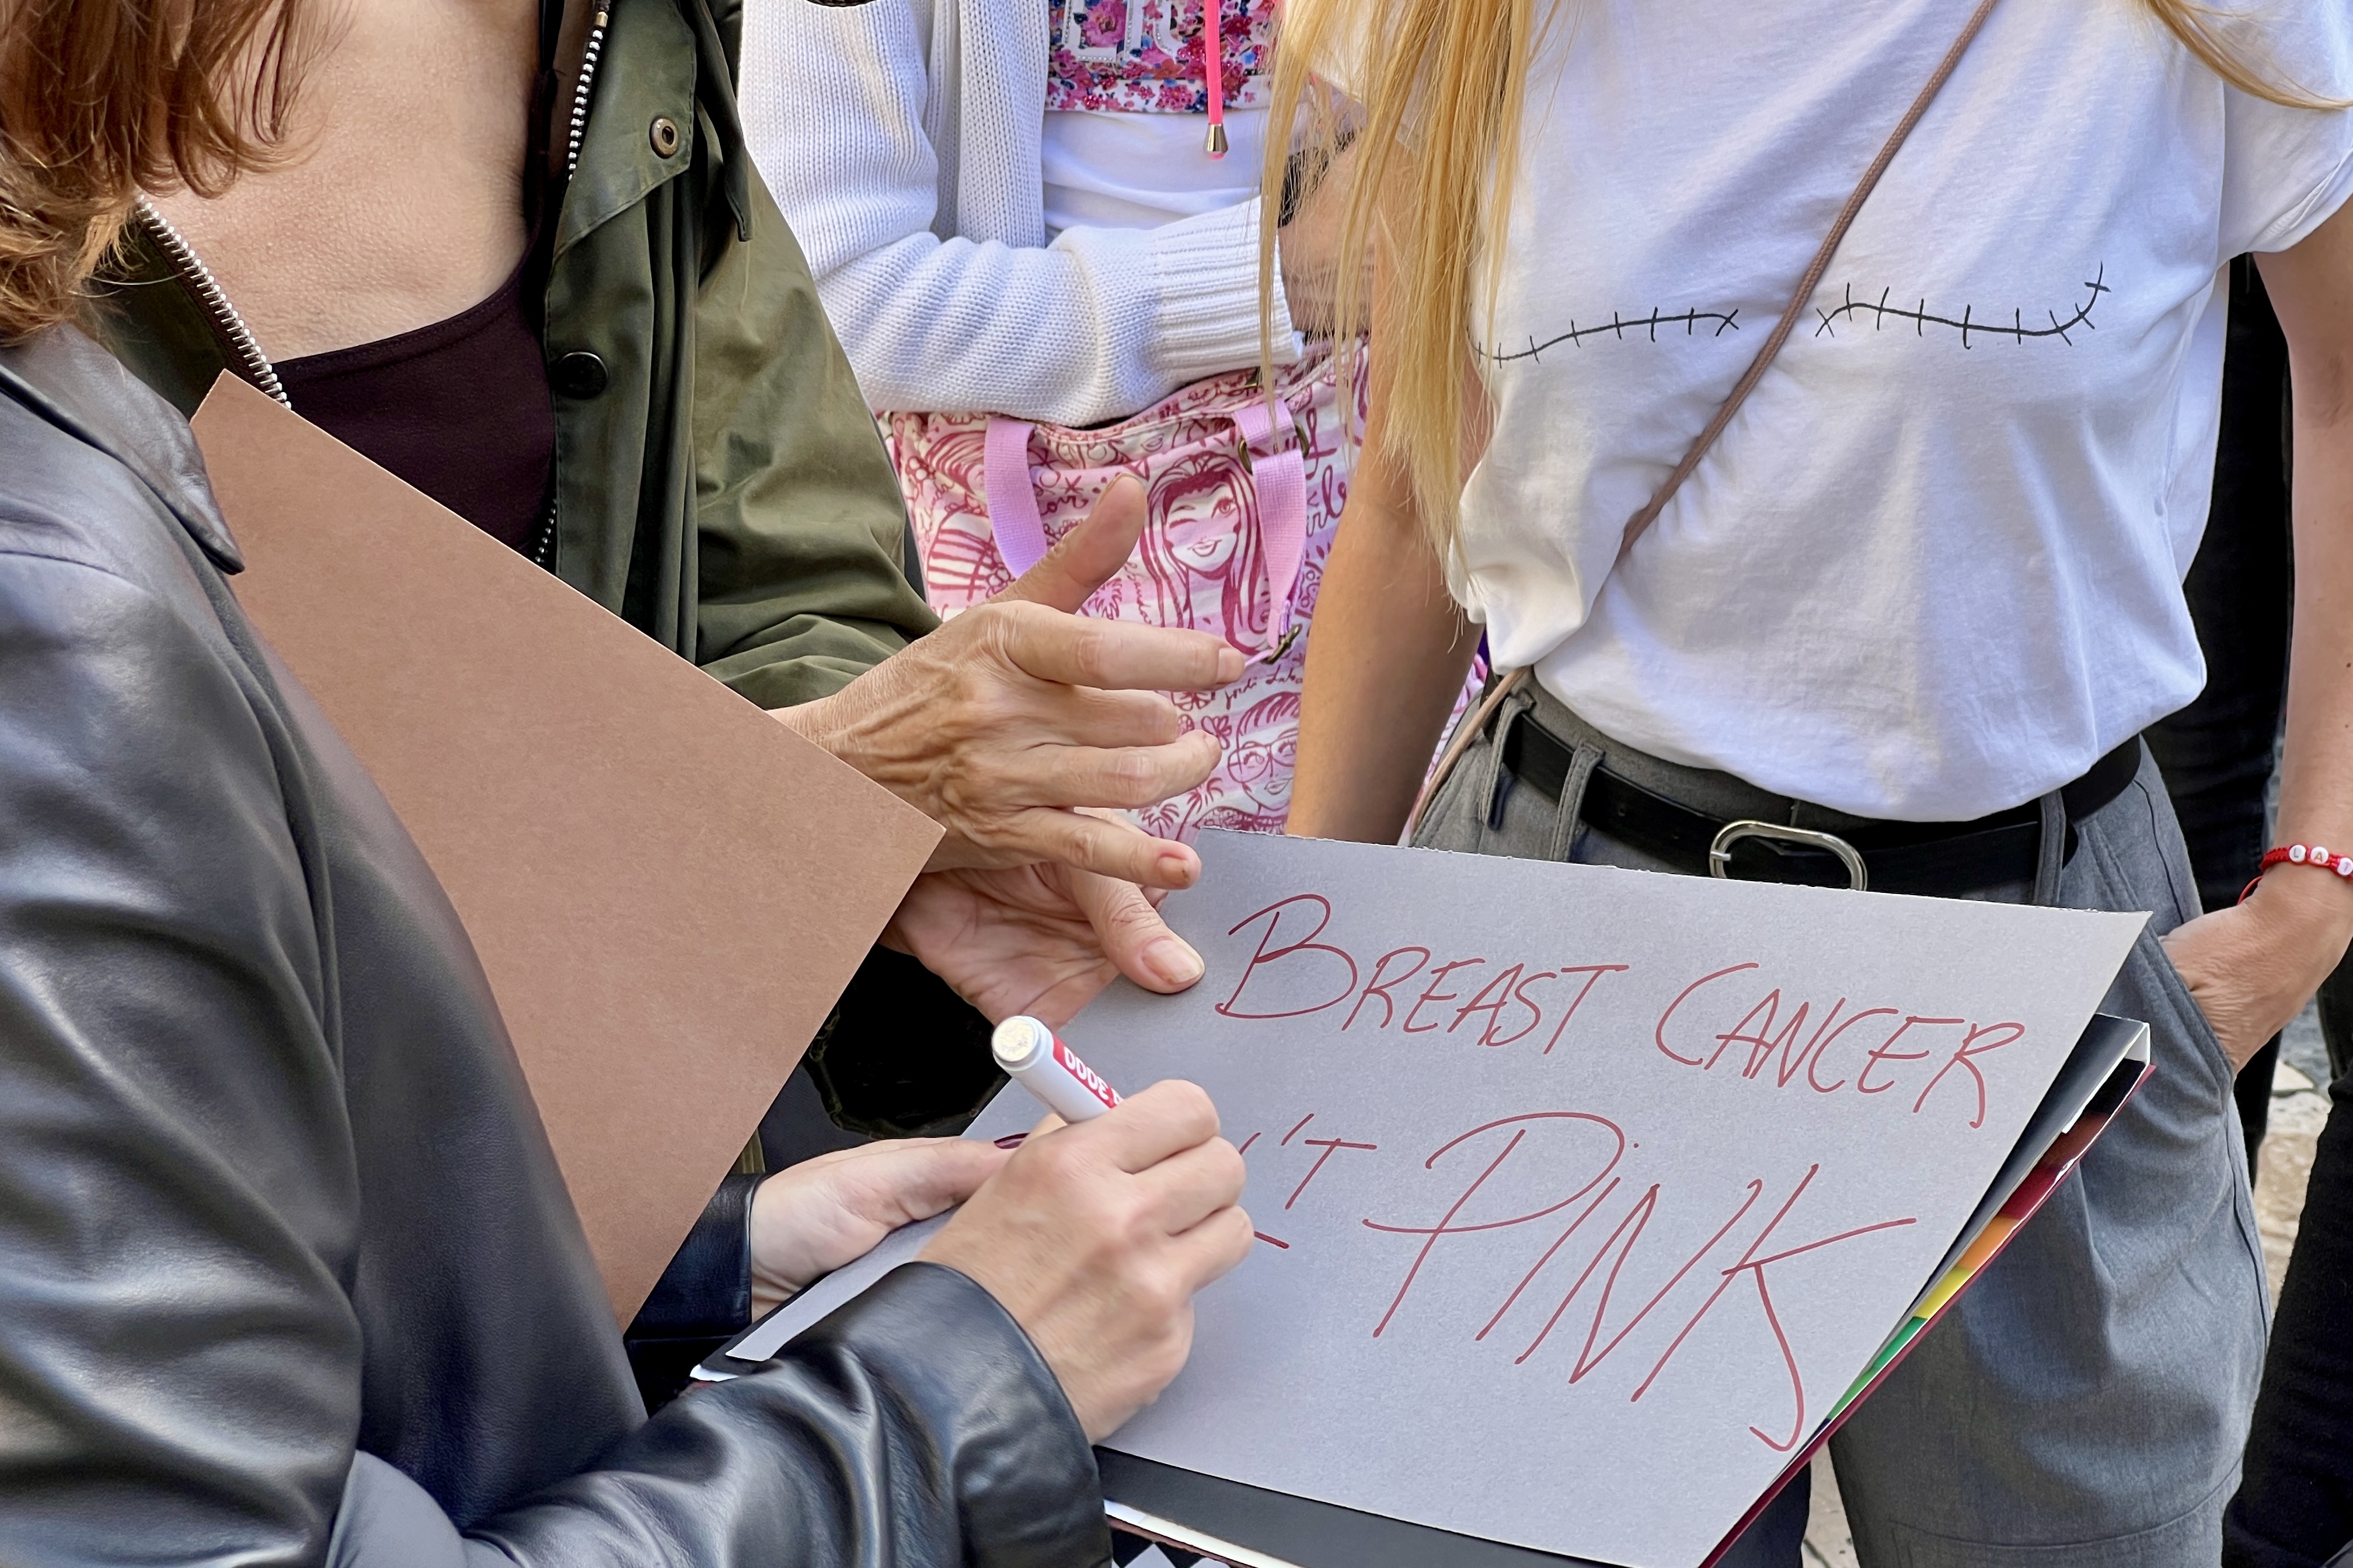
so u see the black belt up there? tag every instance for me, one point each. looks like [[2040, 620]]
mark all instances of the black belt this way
[[1943, 860]]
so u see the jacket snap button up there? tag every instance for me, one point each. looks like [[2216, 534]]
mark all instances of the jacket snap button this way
[[664, 135], [579, 375]]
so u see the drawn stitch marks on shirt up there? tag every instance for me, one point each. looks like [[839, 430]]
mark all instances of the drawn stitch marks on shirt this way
[[1923, 319], [1719, 322], [1715, 323]]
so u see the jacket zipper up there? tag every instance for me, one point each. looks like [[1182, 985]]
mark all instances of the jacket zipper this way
[[583, 88], [241, 341], [215, 299]]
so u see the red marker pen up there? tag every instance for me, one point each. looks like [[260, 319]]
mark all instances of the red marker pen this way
[[1034, 1058]]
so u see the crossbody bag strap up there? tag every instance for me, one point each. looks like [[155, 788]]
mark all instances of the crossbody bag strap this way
[[1770, 351]]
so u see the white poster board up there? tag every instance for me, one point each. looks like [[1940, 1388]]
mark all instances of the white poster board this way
[[1583, 1194]]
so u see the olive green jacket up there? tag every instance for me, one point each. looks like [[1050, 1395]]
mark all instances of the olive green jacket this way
[[718, 482]]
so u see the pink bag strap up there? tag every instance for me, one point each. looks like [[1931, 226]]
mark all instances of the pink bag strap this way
[[1012, 501], [1278, 471]]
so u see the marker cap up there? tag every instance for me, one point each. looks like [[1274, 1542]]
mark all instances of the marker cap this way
[[1019, 1042], [1033, 1057]]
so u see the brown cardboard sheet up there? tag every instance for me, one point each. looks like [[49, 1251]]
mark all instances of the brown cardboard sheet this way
[[669, 890]]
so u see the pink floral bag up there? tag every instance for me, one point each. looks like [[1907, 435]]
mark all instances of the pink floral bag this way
[[1240, 503]]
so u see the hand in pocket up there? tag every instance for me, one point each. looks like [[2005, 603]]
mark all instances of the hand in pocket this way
[[2251, 967]]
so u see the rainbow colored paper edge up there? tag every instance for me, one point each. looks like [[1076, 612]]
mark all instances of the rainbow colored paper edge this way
[[2066, 1152]]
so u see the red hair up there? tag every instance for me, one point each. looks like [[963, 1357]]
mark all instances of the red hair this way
[[100, 100]]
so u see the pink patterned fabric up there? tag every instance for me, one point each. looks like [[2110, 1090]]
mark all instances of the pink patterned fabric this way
[[1202, 563], [1143, 56]]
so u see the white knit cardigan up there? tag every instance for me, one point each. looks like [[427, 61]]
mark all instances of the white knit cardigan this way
[[901, 138]]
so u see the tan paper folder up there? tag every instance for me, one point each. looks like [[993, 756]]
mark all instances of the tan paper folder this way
[[669, 889]]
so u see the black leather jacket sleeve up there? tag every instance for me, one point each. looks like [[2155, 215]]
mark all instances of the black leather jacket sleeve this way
[[861, 1442], [701, 1300], [870, 1427], [180, 1365], [202, 1321]]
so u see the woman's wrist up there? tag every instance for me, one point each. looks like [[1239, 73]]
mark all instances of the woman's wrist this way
[[2308, 907], [781, 1264]]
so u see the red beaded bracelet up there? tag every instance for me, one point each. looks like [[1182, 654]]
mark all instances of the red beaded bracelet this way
[[2300, 854]]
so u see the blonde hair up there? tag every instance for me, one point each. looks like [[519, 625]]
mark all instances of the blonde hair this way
[[1437, 92]]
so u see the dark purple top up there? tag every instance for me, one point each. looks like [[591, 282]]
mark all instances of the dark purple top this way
[[460, 409]]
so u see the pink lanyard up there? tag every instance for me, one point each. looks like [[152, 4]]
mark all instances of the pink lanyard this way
[[1213, 72]]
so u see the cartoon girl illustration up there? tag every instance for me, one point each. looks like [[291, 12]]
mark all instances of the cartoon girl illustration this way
[[1206, 562]]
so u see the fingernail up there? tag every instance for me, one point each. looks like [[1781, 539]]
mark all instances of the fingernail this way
[[1230, 663], [1177, 871], [1174, 962]]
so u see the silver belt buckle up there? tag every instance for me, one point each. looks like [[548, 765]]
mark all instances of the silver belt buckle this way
[[1719, 853]]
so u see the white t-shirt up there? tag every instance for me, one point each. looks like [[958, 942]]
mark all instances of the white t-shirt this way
[[1109, 169], [1933, 568]]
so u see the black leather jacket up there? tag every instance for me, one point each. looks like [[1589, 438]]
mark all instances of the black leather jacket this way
[[287, 1273]]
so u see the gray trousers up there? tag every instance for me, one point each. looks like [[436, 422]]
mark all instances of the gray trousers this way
[[2086, 1401]]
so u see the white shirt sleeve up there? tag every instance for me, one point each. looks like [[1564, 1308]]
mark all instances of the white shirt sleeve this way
[[2287, 171], [1096, 326]]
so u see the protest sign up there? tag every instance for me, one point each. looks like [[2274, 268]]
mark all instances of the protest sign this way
[[1582, 1194]]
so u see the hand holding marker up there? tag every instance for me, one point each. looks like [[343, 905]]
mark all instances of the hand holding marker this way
[[1081, 1234], [1155, 1198], [1034, 1057]]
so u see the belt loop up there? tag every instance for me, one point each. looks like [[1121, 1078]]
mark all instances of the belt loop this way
[[1500, 689], [1570, 809], [2053, 855], [1492, 777]]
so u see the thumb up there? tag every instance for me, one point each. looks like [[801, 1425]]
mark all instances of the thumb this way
[[1133, 934], [1084, 559]]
